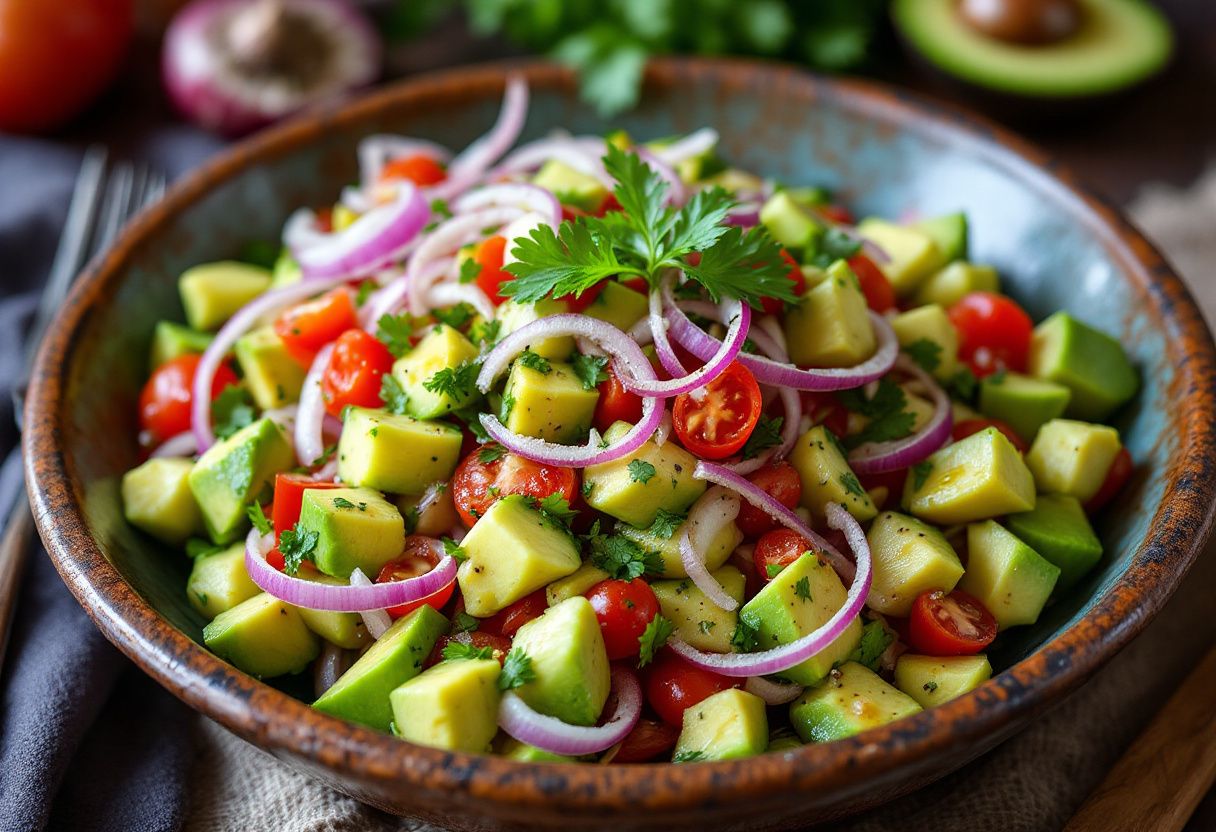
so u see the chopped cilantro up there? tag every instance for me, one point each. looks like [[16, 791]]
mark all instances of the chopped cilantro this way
[[623, 559], [706, 626], [231, 410], [395, 332], [666, 522], [926, 353], [875, 639], [773, 570], [364, 292], [532, 361], [920, 473], [258, 518], [834, 245], [963, 384], [393, 394], [469, 270], [641, 471], [587, 488], [297, 546], [471, 417], [454, 316], [454, 550], [688, 757], [485, 332], [508, 404], [455, 651], [929, 686], [851, 484], [802, 588], [746, 636], [440, 207], [557, 510], [491, 452], [590, 369], [342, 502], [516, 670], [767, 434], [462, 622], [885, 410], [652, 638], [457, 383]]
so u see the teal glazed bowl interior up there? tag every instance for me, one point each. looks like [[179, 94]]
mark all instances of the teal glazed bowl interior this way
[[886, 153]]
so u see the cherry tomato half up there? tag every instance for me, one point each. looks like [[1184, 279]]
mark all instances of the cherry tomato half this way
[[993, 331], [421, 170], [615, 404], [358, 363], [778, 549], [718, 425], [289, 496], [489, 256], [477, 485], [506, 622], [780, 481], [581, 302], [417, 558], [836, 213], [623, 608], [874, 284], [477, 639], [954, 624], [306, 328], [965, 428], [772, 306], [648, 739], [1117, 475], [165, 401], [673, 685]]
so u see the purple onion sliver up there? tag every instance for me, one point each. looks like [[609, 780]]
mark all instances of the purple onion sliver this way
[[518, 720]]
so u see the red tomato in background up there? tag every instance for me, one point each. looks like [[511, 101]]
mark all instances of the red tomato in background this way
[[615, 404], [719, 424], [165, 401], [489, 255], [1116, 477], [623, 608], [993, 332], [501, 646], [954, 624], [506, 622], [289, 496], [477, 485], [674, 685], [581, 302], [772, 306], [306, 328], [874, 284], [893, 481], [56, 56], [648, 739], [824, 409], [780, 481], [836, 213], [418, 557], [965, 428], [778, 549], [421, 170], [353, 376]]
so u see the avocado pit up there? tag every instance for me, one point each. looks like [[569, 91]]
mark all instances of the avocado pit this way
[[1023, 22]]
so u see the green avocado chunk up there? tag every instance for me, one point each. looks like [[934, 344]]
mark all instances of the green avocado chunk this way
[[263, 636], [634, 487], [376, 446], [1022, 402], [513, 749], [156, 498], [948, 286], [980, 476], [831, 326], [234, 472], [789, 222], [1071, 457], [1058, 529], [618, 305], [826, 476], [909, 557], [172, 340], [935, 680], [273, 377], [1087, 361], [571, 187], [717, 550], [513, 315], [361, 694], [570, 661], [444, 349], [550, 403], [453, 705], [1012, 580], [729, 725], [699, 621], [913, 253], [212, 292], [218, 581], [949, 234], [852, 699], [356, 528]]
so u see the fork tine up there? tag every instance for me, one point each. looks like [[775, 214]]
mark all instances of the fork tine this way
[[156, 189], [114, 209]]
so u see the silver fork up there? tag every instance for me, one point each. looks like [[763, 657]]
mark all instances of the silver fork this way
[[104, 198]]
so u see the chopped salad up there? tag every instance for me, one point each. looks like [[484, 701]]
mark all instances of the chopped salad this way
[[605, 450]]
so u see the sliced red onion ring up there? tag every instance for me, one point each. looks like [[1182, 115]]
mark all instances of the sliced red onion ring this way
[[520, 194], [879, 457], [773, 693], [470, 165], [562, 149], [790, 425], [450, 294], [740, 317], [658, 335], [387, 300], [310, 416], [221, 345], [761, 499], [302, 231], [184, 444], [782, 658], [446, 239], [664, 429], [628, 360], [714, 511], [334, 597], [377, 622], [329, 666], [744, 215], [705, 346], [677, 194], [770, 326], [375, 239], [526, 725], [694, 144]]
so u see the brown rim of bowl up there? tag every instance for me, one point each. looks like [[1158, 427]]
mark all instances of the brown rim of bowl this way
[[265, 716]]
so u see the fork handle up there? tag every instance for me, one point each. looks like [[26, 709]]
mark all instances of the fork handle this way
[[13, 547]]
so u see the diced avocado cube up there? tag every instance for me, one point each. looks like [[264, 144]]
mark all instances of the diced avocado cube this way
[[341, 629], [789, 222], [632, 494], [513, 316], [618, 305], [924, 328], [571, 187], [213, 292], [443, 349], [717, 550], [172, 340], [1022, 402], [851, 700], [361, 694], [798, 601], [1087, 361], [218, 581], [273, 377], [935, 680], [909, 557], [1012, 580], [356, 529], [570, 661], [734, 180], [913, 253], [262, 636], [730, 725], [948, 286], [453, 705], [512, 550], [156, 498], [377, 445], [826, 476], [1070, 457], [698, 620], [1058, 529], [831, 326], [809, 195], [783, 743], [576, 583], [553, 405], [922, 409], [513, 749], [234, 472], [980, 476], [286, 270], [949, 234]]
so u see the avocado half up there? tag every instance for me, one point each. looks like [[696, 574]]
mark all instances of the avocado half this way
[[1120, 43]]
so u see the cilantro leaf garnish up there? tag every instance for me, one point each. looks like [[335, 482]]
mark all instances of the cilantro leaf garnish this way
[[454, 550], [393, 394], [364, 292], [342, 502], [297, 545], [485, 332], [875, 639], [666, 522], [231, 410], [746, 636], [773, 569], [963, 385], [258, 518], [766, 434], [851, 484], [590, 369], [462, 622], [556, 509], [920, 473], [395, 331], [926, 353], [455, 651], [516, 670], [469, 270], [440, 207], [623, 559], [535, 362], [652, 638], [802, 588], [491, 452], [834, 245], [454, 316], [641, 471], [885, 410], [457, 383]]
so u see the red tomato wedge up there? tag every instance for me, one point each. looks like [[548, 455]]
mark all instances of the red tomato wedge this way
[[477, 485], [306, 328], [719, 424], [954, 624], [355, 370]]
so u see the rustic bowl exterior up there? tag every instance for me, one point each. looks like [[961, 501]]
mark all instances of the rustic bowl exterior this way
[[885, 152]]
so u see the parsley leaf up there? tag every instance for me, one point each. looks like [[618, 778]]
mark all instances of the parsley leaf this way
[[851, 484], [491, 452], [555, 508], [773, 570], [342, 502], [231, 410], [963, 385], [440, 207], [920, 473], [885, 410], [470, 416], [998, 377], [296, 547], [535, 362], [393, 394], [875, 639], [926, 353], [455, 316], [485, 332], [666, 522], [688, 757], [623, 559], [834, 245], [706, 626], [641, 471], [470, 270], [258, 518], [462, 622], [456, 383], [746, 636], [568, 262], [454, 550], [802, 588], [929, 687], [364, 292], [455, 651], [652, 638], [743, 265], [516, 670], [767, 434], [395, 331], [590, 369]]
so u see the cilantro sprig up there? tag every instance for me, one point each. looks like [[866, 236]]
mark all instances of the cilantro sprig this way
[[652, 638], [885, 409], [297, 545], [517, 670], [623, 559]]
